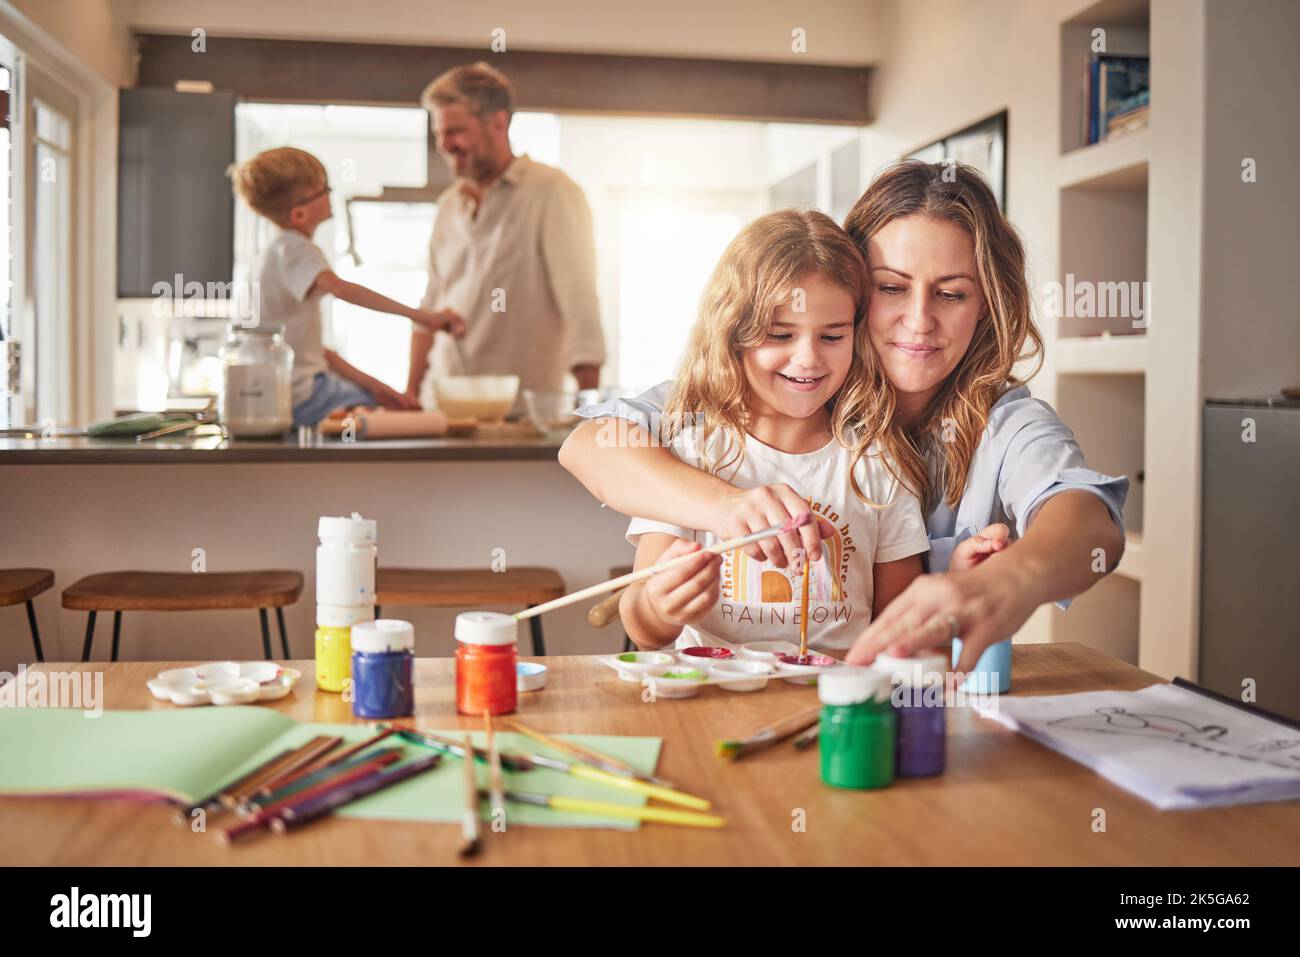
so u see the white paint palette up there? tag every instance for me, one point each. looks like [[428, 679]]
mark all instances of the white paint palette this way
[[224, 683], [680, 674]]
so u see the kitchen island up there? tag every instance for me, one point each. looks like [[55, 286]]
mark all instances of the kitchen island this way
[[78, 505]]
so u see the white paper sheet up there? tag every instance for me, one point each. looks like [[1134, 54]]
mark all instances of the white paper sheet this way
[[1171, 747]]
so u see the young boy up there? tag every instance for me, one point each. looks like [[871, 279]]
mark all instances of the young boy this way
[[289, 187]]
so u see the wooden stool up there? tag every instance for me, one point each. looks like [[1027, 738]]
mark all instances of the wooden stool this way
[[22, 585], [183, 591], [469, 588]]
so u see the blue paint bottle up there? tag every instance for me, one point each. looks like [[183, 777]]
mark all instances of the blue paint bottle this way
[[383, 669], [920, 719], [992, 673]]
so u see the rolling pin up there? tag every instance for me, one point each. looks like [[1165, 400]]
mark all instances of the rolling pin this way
[[606, 610]]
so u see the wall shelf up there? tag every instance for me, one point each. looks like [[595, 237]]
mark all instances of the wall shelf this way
[[1100, 355], [1113, 164]]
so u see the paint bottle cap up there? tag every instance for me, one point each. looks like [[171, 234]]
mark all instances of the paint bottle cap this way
[[845, 686], [343, 616], [486, 628], [918, 670], [383, 634], [353, 530]]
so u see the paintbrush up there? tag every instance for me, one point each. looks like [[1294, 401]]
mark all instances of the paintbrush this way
[[649, 571], [469, 823], [519, 762], [592, 757], [803, 604], [808, 738], [308, 811], [766, 737], [495, 784], [263, 802], [635, 812]]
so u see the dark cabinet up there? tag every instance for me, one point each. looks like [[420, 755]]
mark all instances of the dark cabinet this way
[[175, 211]]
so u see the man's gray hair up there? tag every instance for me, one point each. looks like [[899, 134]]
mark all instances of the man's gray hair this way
[[479, 86]]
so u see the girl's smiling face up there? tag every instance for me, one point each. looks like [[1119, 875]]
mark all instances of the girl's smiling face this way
[[806, 355], [925, 302]]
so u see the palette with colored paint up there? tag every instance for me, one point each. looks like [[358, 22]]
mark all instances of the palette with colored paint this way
[[681, 675], [224, 683]]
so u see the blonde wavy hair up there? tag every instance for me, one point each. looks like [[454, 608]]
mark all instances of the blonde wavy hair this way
[[938, 469], [759, 272]]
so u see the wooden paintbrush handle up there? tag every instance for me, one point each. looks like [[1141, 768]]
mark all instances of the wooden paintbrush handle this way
[[606, 610]]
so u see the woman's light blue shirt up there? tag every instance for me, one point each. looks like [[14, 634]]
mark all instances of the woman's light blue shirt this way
[[1026, 456]]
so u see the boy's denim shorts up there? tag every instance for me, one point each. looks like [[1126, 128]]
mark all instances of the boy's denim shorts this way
[[329, 392]]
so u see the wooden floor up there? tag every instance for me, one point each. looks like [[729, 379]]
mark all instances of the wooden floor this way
[[1003, 800]]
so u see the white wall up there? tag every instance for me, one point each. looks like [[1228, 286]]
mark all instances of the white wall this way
[[845, 32], [95, 31]]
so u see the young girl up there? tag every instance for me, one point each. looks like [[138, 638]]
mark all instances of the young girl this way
[[761, 398]]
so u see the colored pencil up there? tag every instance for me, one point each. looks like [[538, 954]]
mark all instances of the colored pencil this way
[[299, 814], [309, 780], [591, 756], [457, 750], [308, 756], [469, 822], [634, 812], [259, 820], [213, 801], [292, 761], [325, 761], [642, 574], [768, 736]]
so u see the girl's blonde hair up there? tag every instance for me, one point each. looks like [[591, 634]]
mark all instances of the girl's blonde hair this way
[[1004, 335], [273, 180], [761, 270]]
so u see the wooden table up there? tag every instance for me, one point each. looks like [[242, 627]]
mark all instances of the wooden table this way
[[1003, 800]]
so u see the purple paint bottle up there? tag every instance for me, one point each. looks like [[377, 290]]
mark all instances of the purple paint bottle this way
[[918, 699]]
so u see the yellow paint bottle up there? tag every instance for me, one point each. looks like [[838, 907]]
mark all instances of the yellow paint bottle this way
[[333, 658]]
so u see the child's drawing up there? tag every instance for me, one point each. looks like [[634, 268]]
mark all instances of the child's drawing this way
[[1210, 737]]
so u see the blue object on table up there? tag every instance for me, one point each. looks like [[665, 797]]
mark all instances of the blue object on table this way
[[992, 673]]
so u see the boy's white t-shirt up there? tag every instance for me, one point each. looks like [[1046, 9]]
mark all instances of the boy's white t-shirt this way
[[760, 602], [284, 273]]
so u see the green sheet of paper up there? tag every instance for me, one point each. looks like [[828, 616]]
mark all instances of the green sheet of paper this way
[[188, 755]]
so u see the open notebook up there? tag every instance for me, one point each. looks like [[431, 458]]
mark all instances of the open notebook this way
[[1172, 747], [188, 755]]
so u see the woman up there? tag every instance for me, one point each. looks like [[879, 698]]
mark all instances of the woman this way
[[949, 318]]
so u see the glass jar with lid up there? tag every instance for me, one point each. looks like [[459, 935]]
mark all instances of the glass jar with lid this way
[[256, 399]]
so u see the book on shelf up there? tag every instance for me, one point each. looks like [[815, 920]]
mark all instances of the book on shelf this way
[[1117, 95]]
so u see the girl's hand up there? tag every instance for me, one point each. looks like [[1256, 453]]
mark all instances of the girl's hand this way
[[685, 593], [981, 606], [752, 510], [978, 547]]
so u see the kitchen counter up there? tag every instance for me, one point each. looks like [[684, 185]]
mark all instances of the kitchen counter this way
[[79, 450]]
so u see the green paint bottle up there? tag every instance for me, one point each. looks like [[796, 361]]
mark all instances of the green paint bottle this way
[[857, 728]]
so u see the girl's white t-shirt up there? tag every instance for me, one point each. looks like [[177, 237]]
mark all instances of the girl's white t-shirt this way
[[760, 602]]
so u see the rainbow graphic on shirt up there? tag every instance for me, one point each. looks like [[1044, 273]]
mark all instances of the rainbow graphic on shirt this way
[[751, 581]]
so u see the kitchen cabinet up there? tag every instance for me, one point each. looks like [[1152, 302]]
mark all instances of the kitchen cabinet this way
[[175, 210]]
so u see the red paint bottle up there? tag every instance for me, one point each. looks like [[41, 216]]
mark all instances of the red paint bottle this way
[[486, 656]]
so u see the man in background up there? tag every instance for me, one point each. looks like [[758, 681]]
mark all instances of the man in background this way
[[512, 251]]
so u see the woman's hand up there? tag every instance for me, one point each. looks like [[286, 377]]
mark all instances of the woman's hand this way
[[978, 547], [684, 594], [981, 606], [752, 510]]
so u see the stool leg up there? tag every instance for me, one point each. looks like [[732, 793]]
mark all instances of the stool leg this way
[[117, 633], [284, 639], [539, 644], [36, 632], [627, 642], [379, 611], [90, 636], [266, 634]]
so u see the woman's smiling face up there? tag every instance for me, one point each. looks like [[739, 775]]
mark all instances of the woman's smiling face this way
[[924, 304]]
